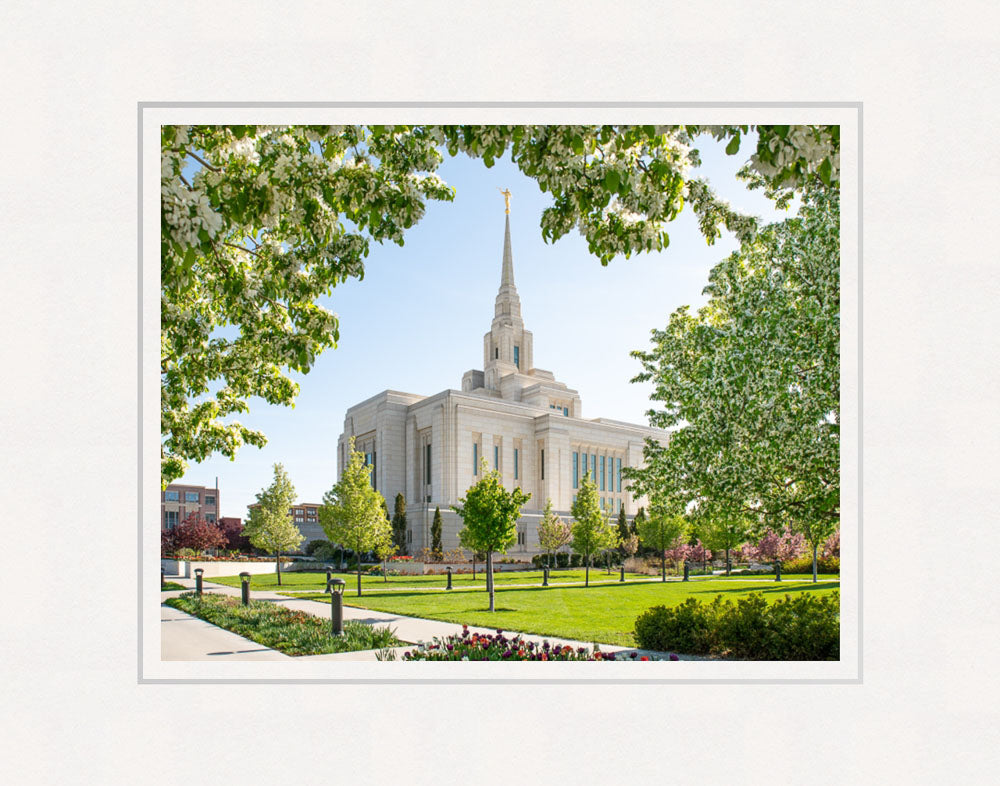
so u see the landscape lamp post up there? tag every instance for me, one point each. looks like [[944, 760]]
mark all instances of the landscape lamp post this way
[[197, 580], [245, 588], [163, 577], [449, 578], [336, 589], [686, 569], [777, 570], [623, 574], [545, 576]]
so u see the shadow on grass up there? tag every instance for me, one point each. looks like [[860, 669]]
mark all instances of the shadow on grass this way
[[778, 587]]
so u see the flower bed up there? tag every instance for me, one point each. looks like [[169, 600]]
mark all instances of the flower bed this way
[[478, 646], [290, 632]]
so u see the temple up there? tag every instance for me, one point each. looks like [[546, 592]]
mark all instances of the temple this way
[[519, 418]]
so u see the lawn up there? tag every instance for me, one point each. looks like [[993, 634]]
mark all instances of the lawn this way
[[171, 586], [297, 581], [604, 613]]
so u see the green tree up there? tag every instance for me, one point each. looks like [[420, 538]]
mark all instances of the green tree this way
[[660, 532], [399, 524], [623, 530], [723, 533], [384, 548], [258, 222], [269, 524], [553, 532], [490, 515], [592, 532], [353, 513], [751, 383], [436, 535]]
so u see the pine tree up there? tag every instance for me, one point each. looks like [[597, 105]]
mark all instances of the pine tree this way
[[436, 534], [399, 524]]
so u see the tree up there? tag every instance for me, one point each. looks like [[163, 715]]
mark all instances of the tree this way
[[630, 546], [751, 383], [723, 533], [778, 547], [353, 514], [553, 532], [661, 531], [490, 515], [270, 526], [436, 534], [399, 524], [592, 532], [640, 516], [258, 222], [232, 530], [193, 533], [385, 547], [624, 533]]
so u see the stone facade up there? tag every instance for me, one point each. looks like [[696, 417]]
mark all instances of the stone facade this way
[[519, 418]]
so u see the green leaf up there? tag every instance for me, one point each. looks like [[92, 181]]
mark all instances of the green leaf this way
[[577, 144], [825, 170], [781, 131], [611, 181], [734, 146]]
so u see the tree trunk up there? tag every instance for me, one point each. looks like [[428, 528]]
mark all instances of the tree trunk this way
[[358, 554], [385, 572], [473, 567], [663, 567], [489, 577], [586, 580], [277, 564], [728, 566], [815, 546]]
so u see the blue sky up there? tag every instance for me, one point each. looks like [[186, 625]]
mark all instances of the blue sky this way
[[416, 321]]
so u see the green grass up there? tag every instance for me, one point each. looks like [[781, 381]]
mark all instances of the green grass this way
[[460, 581], [170, 586], [603, 613], [290, 632]]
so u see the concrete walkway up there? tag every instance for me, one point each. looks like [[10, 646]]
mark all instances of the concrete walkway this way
[[185, 637]]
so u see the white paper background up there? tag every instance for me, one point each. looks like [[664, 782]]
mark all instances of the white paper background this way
[[73, 711]]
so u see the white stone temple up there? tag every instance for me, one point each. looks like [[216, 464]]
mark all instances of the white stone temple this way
[[524, 422]]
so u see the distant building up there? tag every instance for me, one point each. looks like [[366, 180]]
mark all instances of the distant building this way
[[179, 501], [306, 518]]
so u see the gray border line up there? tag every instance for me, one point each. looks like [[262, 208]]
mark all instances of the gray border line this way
[[856, 105]]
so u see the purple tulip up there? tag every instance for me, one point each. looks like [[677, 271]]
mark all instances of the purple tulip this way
[[673, 657]]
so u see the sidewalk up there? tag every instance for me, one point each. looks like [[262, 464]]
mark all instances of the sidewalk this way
[[187, 638]]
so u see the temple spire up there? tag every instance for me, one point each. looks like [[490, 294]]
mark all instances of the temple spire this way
[[507, 275]]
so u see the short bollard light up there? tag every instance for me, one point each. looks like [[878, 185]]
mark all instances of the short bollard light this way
[[245, 588], [197, 580], [449, 578], [623, 574], [336, 589], [686, 569], [329, 574], [777, 570], [545, 576], [163, 577]]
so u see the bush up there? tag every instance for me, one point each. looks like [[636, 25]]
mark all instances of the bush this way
[[804, 564], [313, 545], [806, 627], [562, 559]]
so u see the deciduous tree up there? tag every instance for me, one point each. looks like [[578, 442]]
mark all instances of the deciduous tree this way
[[269, 524], [592, 532], [553, 532], [750, 384], [490, 515], [353, 513], [662, 531]]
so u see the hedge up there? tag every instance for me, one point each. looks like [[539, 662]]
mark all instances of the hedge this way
[[805, 627]]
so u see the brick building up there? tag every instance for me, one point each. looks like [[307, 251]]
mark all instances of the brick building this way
[[179, 500]]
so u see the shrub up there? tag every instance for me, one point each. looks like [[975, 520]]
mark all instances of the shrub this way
[[562, 559], [806, 627], [313, 545], [804, 564]]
